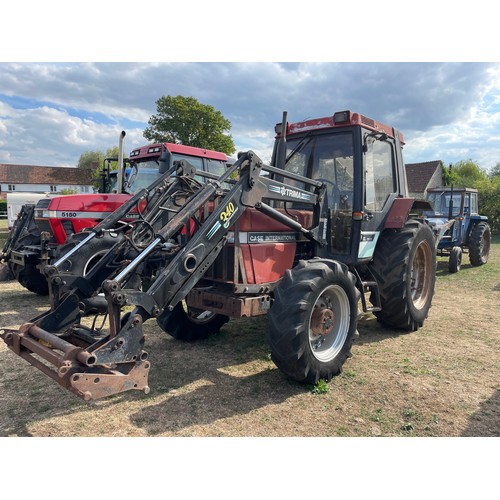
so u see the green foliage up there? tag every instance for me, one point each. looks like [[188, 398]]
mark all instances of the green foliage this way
[[89, 158], [465, 174], [495, 171], [321, 387], [469, 174], [3, 205], [186, 121], [68, 191]]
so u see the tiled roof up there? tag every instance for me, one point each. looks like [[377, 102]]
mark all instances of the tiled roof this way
[[31, 174], [418, 175]]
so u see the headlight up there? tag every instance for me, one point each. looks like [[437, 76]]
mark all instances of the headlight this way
[[48, 214]]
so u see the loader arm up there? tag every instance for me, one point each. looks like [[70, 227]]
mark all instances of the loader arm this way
[[94, 363]]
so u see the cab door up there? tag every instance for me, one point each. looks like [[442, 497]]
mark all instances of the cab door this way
[[380, 189]]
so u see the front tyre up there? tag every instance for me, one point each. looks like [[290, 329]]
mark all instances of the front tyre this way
[[455, 261], [313, 319], [404, 266], [188, 324]]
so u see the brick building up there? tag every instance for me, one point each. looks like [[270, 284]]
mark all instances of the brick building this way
[[40, 179]]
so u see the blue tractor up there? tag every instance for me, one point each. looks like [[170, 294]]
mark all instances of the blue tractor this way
[[458, 226]]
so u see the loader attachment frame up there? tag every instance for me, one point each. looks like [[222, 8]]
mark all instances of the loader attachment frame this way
[[186, 237]]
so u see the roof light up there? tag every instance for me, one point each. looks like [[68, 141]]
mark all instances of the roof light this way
[[341, 117], [278, 128]]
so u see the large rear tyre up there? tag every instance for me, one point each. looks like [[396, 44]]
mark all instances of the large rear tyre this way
[[404, 266], [188, 324], [479, 244], [313, 320], [89, 255]]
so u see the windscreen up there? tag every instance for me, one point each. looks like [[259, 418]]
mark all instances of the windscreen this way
[[329, 158], [142, 175], [441, 203]]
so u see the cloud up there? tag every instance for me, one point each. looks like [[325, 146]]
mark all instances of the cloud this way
[[52, 137], [51, 112]]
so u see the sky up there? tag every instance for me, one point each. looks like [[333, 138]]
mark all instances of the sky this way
[[50, 113]]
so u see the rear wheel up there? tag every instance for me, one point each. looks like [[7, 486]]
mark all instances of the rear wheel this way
[[404, 265], [89, 255], [479, 244], [455, 261], [188, 324], [313, 320]]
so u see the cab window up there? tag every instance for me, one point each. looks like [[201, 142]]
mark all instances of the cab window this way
[[379, 174]]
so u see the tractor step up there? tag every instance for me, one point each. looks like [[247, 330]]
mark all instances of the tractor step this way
[[370, 286]]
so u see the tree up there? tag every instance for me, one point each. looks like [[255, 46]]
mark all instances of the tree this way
[[465, 173], [90, 158], [185, 120], [87, 158], [495, 171]]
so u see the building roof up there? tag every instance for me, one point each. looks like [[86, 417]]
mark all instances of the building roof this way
[[418, 175], [31, 174]]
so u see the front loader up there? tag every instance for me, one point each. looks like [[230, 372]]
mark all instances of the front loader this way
[[305, 240]]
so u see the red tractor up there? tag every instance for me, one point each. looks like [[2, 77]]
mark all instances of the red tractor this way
[[327, 229], [41, 231]]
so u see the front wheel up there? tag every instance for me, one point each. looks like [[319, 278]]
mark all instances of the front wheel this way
[[313, 320], [455, 261], [188, 324]]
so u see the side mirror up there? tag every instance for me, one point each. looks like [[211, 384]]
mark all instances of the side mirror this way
[[164, 162]]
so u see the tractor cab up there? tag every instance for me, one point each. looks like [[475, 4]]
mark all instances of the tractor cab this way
[[452, 202], [359, 160]]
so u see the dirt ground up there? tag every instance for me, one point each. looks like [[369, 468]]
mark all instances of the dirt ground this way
[[443, 380]]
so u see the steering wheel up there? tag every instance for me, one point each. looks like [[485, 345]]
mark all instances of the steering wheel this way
[[335, 188]]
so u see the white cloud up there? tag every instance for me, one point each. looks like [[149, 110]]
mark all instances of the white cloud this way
[[445, 110]]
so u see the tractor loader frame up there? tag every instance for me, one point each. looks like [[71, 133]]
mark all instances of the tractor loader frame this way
[[94, 365]]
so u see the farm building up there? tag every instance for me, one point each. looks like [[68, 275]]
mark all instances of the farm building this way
[[422, 176], [40, 179]]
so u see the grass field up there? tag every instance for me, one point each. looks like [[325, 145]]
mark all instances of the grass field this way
[[440, 381]]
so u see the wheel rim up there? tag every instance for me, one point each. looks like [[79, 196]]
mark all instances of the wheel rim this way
[[421, 275], [329, 323], [93, 261], [199, 316]]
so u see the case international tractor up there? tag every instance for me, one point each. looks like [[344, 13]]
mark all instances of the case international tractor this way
[[326, 229]]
